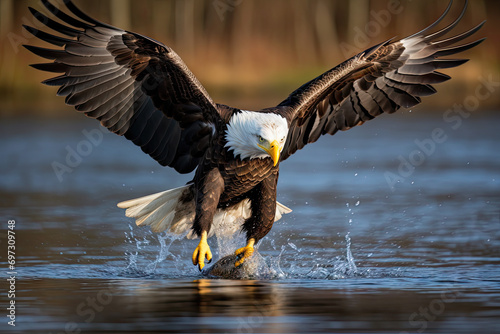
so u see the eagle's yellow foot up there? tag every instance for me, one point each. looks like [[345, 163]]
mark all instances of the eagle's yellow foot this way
[[201, 252], [244, 252]]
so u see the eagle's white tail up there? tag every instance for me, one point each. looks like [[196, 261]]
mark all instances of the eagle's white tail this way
[[174, 210]]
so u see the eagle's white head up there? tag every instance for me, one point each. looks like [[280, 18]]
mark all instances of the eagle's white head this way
[[254, 135]]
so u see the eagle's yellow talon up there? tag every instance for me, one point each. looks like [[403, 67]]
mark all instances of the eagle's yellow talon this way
[[246, 252], [201, 252]]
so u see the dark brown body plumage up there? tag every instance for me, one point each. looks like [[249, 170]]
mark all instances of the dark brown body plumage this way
[[222, 180]]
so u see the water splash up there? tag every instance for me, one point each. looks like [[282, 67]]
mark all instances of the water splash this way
[[275, 264], [338, 268], [165, 255], [350, 268], [143, 256], [153, 255], [351, 265], [165, 243], [227, 245]]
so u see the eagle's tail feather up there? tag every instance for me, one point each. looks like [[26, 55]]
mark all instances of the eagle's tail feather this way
[[159, 210], [281, 210], [174, 210]]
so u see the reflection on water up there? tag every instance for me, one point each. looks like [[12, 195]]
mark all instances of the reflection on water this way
[[357, 254], [180, 306]]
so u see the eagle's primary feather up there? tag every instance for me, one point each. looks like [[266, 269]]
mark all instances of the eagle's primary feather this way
[[141, 89]]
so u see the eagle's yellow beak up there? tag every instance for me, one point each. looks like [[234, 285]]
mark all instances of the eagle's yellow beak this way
[[274, 151]]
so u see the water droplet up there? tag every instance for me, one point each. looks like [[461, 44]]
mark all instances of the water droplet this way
[[355, 174], [291, 244], [307, 203], [357, 203]]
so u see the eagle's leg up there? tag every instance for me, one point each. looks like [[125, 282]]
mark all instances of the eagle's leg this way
[[209, 186], [244, 252], [263, 205]]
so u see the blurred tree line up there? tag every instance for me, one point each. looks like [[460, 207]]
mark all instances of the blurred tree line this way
[[251, 53]]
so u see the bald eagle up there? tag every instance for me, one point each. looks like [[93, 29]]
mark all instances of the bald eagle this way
[[141, 89]]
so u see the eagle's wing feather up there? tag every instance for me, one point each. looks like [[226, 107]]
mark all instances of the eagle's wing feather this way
[[379, 80], [134, 85]]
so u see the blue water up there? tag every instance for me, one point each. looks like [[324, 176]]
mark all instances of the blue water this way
[[373, 244]]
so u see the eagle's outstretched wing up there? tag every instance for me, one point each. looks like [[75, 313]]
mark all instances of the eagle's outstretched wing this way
[[379, 80], [134, 85]]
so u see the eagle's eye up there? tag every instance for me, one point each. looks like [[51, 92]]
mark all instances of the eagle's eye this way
[[261, 139]]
